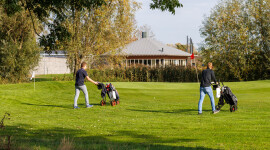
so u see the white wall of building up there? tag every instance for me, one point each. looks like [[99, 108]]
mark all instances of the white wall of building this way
[[52, 65]]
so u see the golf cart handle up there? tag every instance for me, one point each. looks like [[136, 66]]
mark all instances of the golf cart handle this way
[[213, 83], [220, 82]]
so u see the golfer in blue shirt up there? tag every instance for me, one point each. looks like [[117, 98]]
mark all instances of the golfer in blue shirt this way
[[79, 85], [205, 88]]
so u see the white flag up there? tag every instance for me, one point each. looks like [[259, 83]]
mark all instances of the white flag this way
[[33, 75]]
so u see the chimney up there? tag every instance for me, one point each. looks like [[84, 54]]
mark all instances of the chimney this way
[[187, 45], [144, 34]]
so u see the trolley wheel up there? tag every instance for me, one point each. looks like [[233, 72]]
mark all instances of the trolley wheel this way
[[232, 108], [117, 102], [113, 103], [102, 103]]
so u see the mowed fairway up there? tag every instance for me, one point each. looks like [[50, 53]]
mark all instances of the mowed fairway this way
[[150, 116]]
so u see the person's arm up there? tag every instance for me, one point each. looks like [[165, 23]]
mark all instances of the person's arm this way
[[89, 79], [213, 77]]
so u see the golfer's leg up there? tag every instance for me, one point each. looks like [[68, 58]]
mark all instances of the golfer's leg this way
[[202, 94], [84, 89], [77, 93], [211, 96]]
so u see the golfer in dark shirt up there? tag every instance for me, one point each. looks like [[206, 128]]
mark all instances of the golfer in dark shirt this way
[[205, 87], [79, 85]]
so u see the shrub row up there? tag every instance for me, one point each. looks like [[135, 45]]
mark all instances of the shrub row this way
[[146, 74]]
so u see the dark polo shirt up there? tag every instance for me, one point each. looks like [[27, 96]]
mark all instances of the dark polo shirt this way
[[80, 76], [208, 75]]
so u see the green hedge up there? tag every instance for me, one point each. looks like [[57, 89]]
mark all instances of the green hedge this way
[[146, 74], [133, 74]]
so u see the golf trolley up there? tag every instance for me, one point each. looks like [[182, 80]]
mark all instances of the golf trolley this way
[[225, 95], [112, 93]]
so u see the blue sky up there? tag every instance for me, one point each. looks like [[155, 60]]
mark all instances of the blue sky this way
[[170, 28]]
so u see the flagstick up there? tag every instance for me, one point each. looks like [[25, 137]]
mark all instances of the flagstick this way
[[196, 70], [34, 76], [34, 83]]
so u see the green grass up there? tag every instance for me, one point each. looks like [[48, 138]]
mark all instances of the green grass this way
[[54, 77], [150, 116]]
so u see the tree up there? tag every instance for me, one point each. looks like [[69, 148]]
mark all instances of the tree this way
[[84, 27], [183, 47], [19, 52], [96, 31], [43, 10], [58, 33], [169, 5], [236, 35], [258, 14]]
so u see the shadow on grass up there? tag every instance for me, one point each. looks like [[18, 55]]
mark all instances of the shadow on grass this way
[[40, 79], [97, 104], [169, 111], [153, 139], [62, 106], [59, 106], [25, 137]]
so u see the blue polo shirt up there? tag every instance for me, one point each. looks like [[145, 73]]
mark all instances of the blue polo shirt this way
[[80, 76]]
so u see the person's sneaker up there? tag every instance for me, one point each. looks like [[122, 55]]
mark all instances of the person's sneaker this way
[[216, 111], [199, 113], [89, 106], [76, 107]]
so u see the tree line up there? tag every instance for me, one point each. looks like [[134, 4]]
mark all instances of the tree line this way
[[237, 39], [236, 34]]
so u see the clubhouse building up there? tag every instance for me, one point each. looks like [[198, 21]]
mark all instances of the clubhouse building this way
[[145, 51], [150, 52]]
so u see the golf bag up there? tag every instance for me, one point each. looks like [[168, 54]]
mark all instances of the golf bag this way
[[226, 96], [112, 93]]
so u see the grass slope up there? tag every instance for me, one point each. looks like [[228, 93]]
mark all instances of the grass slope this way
[[150, 116]]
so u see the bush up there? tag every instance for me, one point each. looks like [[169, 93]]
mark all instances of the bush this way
[[62, 77], [19, 52], [146, 74]]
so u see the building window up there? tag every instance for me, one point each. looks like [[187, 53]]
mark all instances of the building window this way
[[157, 62], [148, 62], [145, 62]]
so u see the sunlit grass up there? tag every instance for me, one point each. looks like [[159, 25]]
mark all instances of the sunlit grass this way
[[150, 116]]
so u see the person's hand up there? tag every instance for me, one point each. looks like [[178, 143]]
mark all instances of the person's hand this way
[[96, 83]]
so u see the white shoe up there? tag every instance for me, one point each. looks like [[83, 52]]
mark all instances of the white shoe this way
[[216, 111]]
